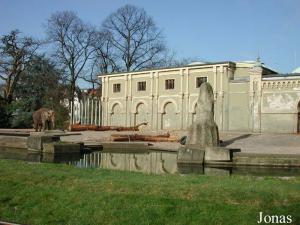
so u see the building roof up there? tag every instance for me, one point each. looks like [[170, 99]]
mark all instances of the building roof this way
[[191, 65], [166, 68]]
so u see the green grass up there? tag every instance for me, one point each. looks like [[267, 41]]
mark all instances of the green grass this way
[[61, 194]]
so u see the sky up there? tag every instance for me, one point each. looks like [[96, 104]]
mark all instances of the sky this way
[[212, 30]]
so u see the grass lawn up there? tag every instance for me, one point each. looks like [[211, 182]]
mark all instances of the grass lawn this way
[[60, 194]]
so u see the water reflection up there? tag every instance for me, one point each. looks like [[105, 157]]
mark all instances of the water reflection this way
[[166, 162], [153, 162], [149, 162], [33, 156]]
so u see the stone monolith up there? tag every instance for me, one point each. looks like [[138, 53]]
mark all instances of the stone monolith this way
[[202, 144], [204, 131]]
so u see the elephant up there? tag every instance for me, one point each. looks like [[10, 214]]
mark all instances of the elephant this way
[[43, 119]]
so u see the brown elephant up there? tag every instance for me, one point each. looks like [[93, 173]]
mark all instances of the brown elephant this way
[[43, 119]]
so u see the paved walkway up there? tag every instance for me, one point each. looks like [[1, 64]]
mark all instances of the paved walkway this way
[[247, 142], [263, 143]]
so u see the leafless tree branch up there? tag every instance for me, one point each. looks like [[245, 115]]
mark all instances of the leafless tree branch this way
[[135, 38], [72, 39]]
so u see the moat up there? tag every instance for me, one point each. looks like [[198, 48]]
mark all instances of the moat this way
[[151, 162]]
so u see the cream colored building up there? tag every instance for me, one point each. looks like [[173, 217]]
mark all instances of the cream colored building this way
[[248, 97]]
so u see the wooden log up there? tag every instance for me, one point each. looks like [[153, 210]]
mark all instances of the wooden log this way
[[134, 128], [81, 127], [139, 136], [150, 138], [106, 128]]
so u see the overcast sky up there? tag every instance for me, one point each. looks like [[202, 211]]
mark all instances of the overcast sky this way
[[214, 31]]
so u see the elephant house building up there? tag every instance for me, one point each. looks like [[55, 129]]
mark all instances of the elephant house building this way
[[248, 97]]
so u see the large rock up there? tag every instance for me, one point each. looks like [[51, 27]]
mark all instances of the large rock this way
[[202, 144], [204, 131]]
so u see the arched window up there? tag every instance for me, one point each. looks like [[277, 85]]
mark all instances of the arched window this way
[[141, 114], [170, 119]]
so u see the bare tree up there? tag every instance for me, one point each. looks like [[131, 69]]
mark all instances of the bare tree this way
[[171, 59], [135, 38], [92, 75], [73, 40], [15, 53], [104, 59]]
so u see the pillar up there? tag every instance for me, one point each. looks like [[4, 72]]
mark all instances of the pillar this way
[[99, 112], [127, 120], [107, 100], [92, 110], [85, 110], [88, 111], [71, 113], [187, 97], [255, 96], [151, 105], [128, 83], [81, 111], [181, 96], [221, 99], [156, 99]]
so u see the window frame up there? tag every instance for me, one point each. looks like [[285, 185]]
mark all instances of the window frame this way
[[197, 78], [115, 89], [171, 85], [143, 84]]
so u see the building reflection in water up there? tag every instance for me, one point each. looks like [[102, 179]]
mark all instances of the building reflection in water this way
[[150, 162], [156, 162], [153, 162]]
